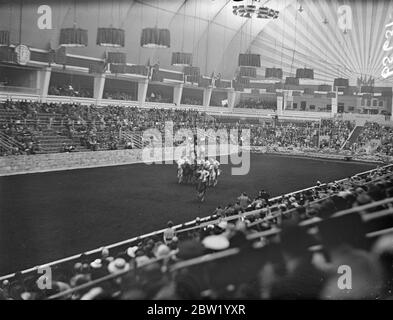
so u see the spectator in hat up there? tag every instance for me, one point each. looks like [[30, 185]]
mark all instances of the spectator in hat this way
[[169, 233]]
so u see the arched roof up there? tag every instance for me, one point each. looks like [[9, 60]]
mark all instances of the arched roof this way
[[207, 28]]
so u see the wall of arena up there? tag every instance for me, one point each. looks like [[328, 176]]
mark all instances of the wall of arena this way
[[22, 164]]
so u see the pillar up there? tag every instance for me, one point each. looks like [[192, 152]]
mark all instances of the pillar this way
[[142, 91], [99, 84], [43, 80], [233, 97], [280, 103], [177, 94], [334, 105], [207, 94]]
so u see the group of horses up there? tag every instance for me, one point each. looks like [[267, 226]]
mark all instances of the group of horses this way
[[199, 174]]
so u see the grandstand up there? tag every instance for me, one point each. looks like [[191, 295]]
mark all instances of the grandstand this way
[[103, 107]]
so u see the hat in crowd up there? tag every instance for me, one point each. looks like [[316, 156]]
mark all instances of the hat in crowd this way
[[163, 251], [359, 190], [216, 242], [363, 199], [131, 251], [78, 266], [118, 265], [141, 261], [104, 252], [384, 245], [96, 264], [79, 279], [223, 224], [93, 294]]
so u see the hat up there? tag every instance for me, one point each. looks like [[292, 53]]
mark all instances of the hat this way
[[105, 252], [363, 198], [131, 251], [78, 266], [93, 293], [96, 264], [118, 265], [79, 279], [216, 242], [141, 261], [223, 224], [163, 251]]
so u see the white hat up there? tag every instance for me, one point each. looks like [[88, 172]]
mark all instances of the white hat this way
[[93, 293], [141, 261], [118, 265], [96, 264], [163, 251], [223, 224], [131, 251], [216, 242]]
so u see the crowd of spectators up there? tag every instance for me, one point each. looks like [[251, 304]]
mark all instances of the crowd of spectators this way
[[264, 262], [156, 96], [253, 103], [119, 95], [192, 101], [306, 134], [110, 127], [69, 91], [376, 138]]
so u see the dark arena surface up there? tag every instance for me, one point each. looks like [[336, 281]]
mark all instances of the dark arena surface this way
[[47, 216]]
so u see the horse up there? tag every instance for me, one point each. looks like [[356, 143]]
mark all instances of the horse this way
[[203, 182]]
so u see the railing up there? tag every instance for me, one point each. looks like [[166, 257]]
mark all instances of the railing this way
[[8, 142]]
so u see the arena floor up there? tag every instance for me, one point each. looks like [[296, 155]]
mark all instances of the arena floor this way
[[47, 216]]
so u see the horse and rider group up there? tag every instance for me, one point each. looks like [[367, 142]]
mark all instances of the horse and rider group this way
[[203, 173]]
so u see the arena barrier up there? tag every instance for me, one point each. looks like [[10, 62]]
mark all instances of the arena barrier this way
[[193, 224], [22, 164]]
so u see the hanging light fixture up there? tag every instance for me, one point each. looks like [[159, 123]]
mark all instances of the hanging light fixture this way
[[73, 37], [273, 73], [110, 37], [249, 72], [4, 38], [155, 38], [250, 60], [182, 58]]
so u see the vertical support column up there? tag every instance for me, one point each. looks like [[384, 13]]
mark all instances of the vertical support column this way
[[43, 80], [280, 102], [99, 84], [177, 94], [334, 104], [142, 91], [233, 98], [207, 94]]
